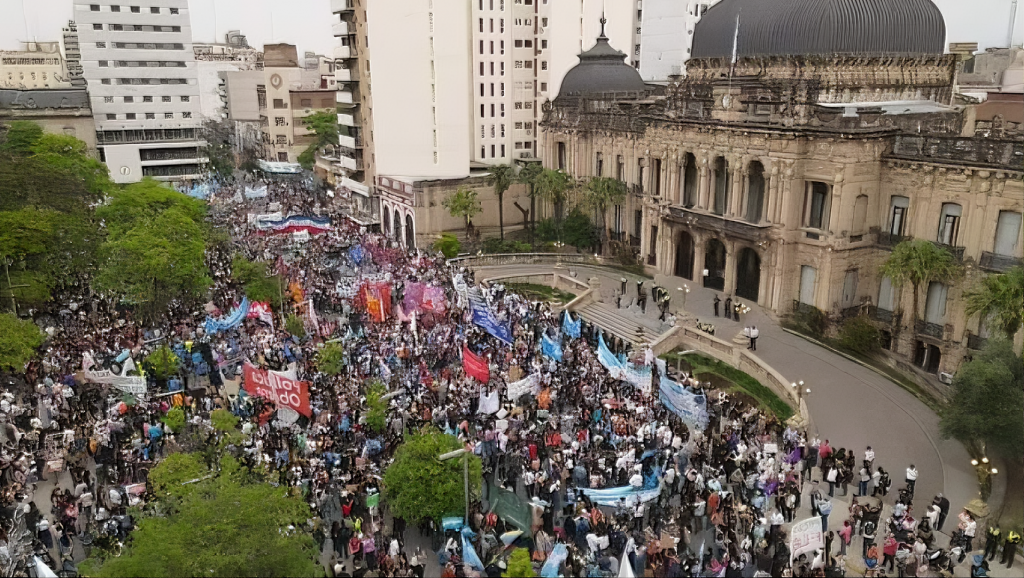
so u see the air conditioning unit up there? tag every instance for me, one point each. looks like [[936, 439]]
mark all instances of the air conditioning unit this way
[[946, 378]]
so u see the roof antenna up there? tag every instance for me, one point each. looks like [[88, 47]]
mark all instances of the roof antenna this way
[[603, 21]]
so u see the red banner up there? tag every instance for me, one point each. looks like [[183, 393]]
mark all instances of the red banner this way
[[280, 388], [475, 365]]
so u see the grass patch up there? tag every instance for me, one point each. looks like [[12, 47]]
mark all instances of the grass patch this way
[[541, 292], [736, 381]]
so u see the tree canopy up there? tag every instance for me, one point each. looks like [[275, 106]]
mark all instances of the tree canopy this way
[[462, 203], [221, 524], [501, 178], [1001, 297], [553, 186], [18, 342], [988, 393], [255, 277], [418, 486], [324, 126], [920, 262]]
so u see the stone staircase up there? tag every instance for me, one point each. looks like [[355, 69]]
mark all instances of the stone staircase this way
[[623, 323]]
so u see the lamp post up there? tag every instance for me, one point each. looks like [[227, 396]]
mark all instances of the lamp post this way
[[465, 475], [800, 390]]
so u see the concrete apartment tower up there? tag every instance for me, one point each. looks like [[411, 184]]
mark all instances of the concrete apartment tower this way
[[138, 61]]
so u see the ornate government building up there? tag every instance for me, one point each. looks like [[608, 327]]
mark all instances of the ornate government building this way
[[807, 139]]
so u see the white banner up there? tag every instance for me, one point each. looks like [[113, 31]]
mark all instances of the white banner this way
[[531, 385], [135, 385], [805, 536]]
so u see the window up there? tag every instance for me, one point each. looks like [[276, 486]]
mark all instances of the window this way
[[543, 87], [519, 145], [103, 64], [503, 69], [129, 99], [115, 8], [544, 22], [807, 278], [279, 121], [481, 47], [949, 223], [150, 116], [101, 45], [482, 109], [502, 24], [111, 117], [174, 10], [935, 304], [722, 185], [492, 131], [186, 115], [599, 165], [503, 130], [185, 98], [279, 103], [885, 294], [898, 206], [502, 150], [104, 81], [130, 116], [519, 44], [519, 106], [136, 9], [281, 139], [561, 156], [492, 89], [154, 10], [481, 89], [620, 167], [502, 110], [492, 47], [483, 131], [503, 47], [519, 64], [491, 24], [282, 157], [529, 64], [816, 205], [528, 43], [483, 151], [492, 151], [108, 99], [481, 69], [147, 99], [544, 65], [306, 102], [1007, 233], [543, 44], [481, 25], [165, 99], [94, 7], [97, 27], [168, 115]]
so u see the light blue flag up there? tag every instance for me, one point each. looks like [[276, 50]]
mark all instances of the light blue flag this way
[[570, 327], [551, 348]]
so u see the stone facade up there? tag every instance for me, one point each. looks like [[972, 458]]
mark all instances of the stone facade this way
[[776, 182]]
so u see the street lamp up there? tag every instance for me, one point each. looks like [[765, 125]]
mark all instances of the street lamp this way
[[465, 474]]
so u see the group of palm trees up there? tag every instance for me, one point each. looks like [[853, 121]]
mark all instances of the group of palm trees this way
[[558, 188]]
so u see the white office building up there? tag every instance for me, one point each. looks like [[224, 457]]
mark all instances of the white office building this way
[[138, 61], [666, 36]]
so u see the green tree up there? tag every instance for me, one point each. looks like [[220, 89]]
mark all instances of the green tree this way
[[859, 335], [501, 178], [18, 342], [20, 136], [162, 363], [68, 154], [519, 565], [331, 359], [175, 419], [553, 186], [418, 486], [463, 203], [139, 203], [985, 408], [294, 325], [528, 174], [601, 193], [155, 261], [223, 420], [448, 245], [324, 126], [920, 262], [259, 284], [377, 416], [1002, 297], [221, 524], [578, 230]]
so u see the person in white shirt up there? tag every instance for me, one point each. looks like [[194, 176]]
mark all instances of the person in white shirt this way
[[869, 456], [911, 480]]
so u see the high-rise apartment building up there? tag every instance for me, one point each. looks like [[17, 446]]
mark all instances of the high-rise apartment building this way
[[665, 31], [138, 61], [72, 54]]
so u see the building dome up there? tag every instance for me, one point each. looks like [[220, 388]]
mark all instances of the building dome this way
[[602, 69], [820, 28]]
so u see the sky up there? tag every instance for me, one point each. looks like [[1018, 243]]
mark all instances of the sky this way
[[307, 23]]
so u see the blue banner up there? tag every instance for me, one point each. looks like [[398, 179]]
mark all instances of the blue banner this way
[[469, 555], [570, 327], [554, 561], [483, 317], [357, 254], [231, 320], [692, 408], [551, 348]]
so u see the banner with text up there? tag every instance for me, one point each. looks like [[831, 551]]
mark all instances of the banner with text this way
[[475, 365], [279, 387]]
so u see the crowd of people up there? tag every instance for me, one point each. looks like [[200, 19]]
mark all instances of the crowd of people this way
[[612, 475]]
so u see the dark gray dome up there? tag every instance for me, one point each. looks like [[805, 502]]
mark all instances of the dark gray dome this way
[[820, 27], [601, 70]]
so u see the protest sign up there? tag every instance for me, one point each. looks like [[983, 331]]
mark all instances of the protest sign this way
[[475, 365], [279, 387]]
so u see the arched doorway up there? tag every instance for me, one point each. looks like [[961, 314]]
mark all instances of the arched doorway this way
[[684, 256], [755, 192], [410, 233], [748, 274], [397, 223], [714, 262], [387, 221]]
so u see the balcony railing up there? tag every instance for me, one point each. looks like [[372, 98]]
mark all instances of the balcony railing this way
[[634, 241], [957, 252], [976, 342], [930, 329], [741, 229], [996, 262], [883, 315], [619, 236], [889, 240], [342, 5]]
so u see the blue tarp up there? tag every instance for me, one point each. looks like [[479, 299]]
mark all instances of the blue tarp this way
[[551, 348], [551, 565], [229, 321], [570, 327], [469, 555]]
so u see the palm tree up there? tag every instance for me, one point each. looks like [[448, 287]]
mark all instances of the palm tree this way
[[528, 174], [920, 262], [602, 192], [1001, 296], [553, 186], [501, 178]]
